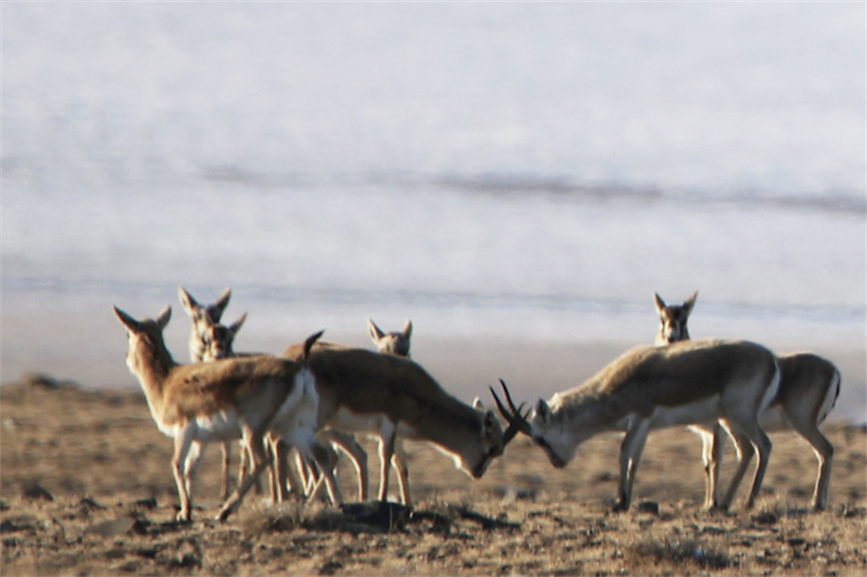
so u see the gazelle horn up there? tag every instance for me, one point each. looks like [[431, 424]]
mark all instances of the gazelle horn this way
[[517, 422]]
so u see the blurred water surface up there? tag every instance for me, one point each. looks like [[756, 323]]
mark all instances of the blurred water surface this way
[[534, 170]]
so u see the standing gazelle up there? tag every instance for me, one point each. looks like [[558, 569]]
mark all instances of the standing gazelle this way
[[809, 386], [221, 401], [216, 342], [393, 343], [206, 319], [652, 388]]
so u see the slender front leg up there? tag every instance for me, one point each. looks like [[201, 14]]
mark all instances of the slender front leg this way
[[630, 457], [388, 435]]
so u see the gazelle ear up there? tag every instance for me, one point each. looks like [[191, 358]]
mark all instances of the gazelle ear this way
[[543, 410], [690, 302], [375, 333], [477, 404], [188, 302], [660, 304], [490, 419], [236, 326], [223, 301], [407, 328], [163, 318], [127, 321]]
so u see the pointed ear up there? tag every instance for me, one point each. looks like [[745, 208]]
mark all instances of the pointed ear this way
[[163, 318], [223, 301], [543, 410], [375, 333], [490, 419], [477, 404], [690, 302], [188, 302], [236, 326], [660, 304], [129, 322], [407, 328]]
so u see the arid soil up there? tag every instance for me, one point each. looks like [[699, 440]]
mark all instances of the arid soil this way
[[87, 490]]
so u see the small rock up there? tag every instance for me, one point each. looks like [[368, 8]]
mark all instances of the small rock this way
[[651, 507], [37, 491]]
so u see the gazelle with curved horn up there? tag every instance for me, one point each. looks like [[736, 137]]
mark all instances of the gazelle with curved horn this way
[[366, 392], [809, 387], [651, 388], [221, 401]]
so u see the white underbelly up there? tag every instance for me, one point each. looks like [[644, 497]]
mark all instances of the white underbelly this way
[[705, 411], [346, 420], [220, 427]]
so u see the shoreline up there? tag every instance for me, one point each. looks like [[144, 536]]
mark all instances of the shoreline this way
[[464, 365]]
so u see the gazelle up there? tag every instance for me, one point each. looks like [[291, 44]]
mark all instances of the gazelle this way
[[809, 387], [393, 343], [200, 315], [216, 342], [206, 318], [672, 319], [651, 388], [205, 402], [390, 396]]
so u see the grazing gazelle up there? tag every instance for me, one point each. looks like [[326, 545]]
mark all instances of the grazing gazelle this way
[[220, 401], [651, 388], [206, 318], [809, 386], [390, 396]]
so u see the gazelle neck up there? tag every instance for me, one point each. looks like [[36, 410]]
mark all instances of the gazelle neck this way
[[151, 363]]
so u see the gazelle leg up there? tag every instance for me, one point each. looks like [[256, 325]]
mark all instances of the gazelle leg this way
[[745, 451], [399, 461], [357, 455], [824, 453], [261, 459], [630, 457], [227, 457], [183, 441], [386, 450]]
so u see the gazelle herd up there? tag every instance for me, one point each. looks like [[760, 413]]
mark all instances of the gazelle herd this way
[[314, 398]]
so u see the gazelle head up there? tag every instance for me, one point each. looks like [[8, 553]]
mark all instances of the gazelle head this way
[[201, 315], [476, 455], [672, 320], [543, 427], [217, 339], [394, 343], [146, 349]]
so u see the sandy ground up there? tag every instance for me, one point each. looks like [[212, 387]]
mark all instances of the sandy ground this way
[[87, 490]]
